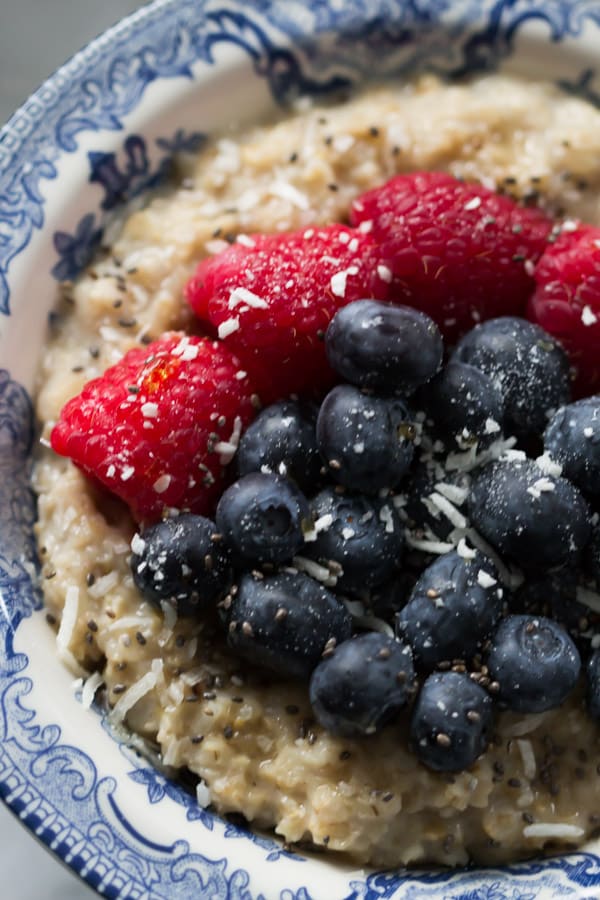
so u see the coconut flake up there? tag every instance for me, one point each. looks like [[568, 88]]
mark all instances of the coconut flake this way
[[228, 327], [90, 686], [228, 449], [67, 623], [464, 550], [447, 509], [103, 585], [385, 273], [162, 483], [587, 316], [315, 570], [338, 281], [548, 466], [473, 203], [131, 696], [528, 757], [485, 580], [202, 794], [287, 191], [561, 830], [428, 546], [452, 492], [386, 516], [243, 295]]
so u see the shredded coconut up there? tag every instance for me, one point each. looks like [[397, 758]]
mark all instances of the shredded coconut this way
[[228, 327], [528, 757], [202, 794], [548, 466], [338, 281], [447, 509], [162, 483], [315, 570], [243, 295], [131, 696], [90, 686], [67, 623], [553, 830], [587, 316]]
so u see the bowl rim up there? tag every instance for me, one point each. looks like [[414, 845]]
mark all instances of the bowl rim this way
[[33, 109]]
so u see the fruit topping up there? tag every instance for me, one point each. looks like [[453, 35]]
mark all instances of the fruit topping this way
[[530, 368], [451, 722], [362, 685], [365, 441], [389, 348], [566, 301], [263, 518], [158, 428], [178, 561], [284, 622], [272, 297], [452, 609], [534, 662], [282, 440], [463, 407], [457, 251], [572, 439], [359, 539], [538, 521]]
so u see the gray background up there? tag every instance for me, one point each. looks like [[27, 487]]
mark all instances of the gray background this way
[[37, 36]]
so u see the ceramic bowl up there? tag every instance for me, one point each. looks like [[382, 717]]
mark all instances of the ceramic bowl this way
[[100, 130]]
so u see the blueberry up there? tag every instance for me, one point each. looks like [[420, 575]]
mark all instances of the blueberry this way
[[366, 441], [390, 348], [593, 684], [529, 367], [537, 520], [178, 561], [572, 439], [282, 440], [362, 536], [451, 721], [263, 518], [463, 405], [535, 663], [453, 608], [284, 622], [363, 685], [591, 560]]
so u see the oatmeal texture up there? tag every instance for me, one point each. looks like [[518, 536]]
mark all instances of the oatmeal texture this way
[[250, 738]]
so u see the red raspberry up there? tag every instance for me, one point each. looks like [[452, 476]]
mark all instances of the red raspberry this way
[[566, 301], [459, 252], [149, 428], [272, 297]]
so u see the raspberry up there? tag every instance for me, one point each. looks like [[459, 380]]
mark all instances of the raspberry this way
[[458, 252], [272, 297], [566, 301], [149, 428]]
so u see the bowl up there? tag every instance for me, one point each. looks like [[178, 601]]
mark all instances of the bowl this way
[[99, 132]]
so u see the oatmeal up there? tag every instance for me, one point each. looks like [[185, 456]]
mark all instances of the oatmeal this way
[[254, 740]]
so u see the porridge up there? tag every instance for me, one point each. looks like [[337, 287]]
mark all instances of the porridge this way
[[252, 739]]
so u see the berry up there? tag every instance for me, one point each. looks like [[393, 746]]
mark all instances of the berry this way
[[156, 429], [391, 348], [366, 441], [593, 685], [263, 517], [363, 685], [592, 556], [537, 520], [178, 561], [453, 608], [451, 721], [535, 663], [566, 301], [284, 622], [362, 536], [529, 367], [463, 407], [459, 252], [272, 301], [572, 439], [282, 440]]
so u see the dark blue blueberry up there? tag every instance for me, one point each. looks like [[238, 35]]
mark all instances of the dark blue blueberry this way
[[362, 685], [365, 441], [529, 367], [535, 663], [591, 560], [534, 519], [572, 439], [452, 610], [451, 722], [282, 440], [363, 537], [178, 561], [385, 600], [553, 594], [285, 622], [263, 518], [391, 348], [463, 405], [593, 684]]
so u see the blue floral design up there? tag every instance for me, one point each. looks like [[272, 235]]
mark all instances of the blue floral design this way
[[55, 787]]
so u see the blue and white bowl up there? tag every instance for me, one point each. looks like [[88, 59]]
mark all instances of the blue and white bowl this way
[[103, 128]]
